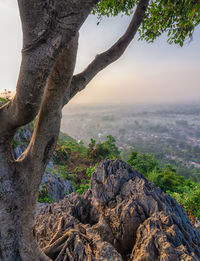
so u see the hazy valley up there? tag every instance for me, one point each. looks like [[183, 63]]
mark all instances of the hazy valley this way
[[170, 132]]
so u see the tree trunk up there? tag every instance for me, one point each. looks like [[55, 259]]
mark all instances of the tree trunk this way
[[17, 242], [17, 238]]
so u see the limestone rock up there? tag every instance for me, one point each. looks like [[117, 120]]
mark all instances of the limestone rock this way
[[21, 140], [123, 216], [56, 186]]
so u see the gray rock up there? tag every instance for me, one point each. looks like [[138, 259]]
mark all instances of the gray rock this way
[[123, 216], [18, 151], [21, 139], [49, 166], [55, 185]]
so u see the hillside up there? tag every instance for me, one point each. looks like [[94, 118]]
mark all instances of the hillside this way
[[170, 131], [76, 163], [73, 164]]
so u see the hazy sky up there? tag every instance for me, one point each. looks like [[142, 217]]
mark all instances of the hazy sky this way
[[156, 72]]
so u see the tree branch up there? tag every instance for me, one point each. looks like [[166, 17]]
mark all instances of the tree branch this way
[[45, 36], [80, 81], [48, 123]]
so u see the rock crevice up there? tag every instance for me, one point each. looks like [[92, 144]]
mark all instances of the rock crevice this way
[[123, 216]]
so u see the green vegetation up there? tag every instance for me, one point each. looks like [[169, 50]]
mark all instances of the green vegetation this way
[[102, 150], [179, 153], [85, 182], [189, 198], [143, 162], [66, 142], [3, 100], [185, 191], [44, 197], [5, 97], [177, 18], [77, 163], [15, 143]]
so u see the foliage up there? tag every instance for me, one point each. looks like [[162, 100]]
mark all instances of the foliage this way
[[167, 180], [85, 182], [142, 162], [114, 7], [2, 100], [71, 144], [61, 171], [44, 197], [90, 170], [170, 151], [5, 97], [177, 18], [189, 199], [84, 186], [15, 143], [102, 150]]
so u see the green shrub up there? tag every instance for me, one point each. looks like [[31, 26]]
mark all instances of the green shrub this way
[[66, 142], [44, 197], [90, 170], [167, 180], [82, 188], [142, 162], [85, 182], [189, 199], [103, 150]]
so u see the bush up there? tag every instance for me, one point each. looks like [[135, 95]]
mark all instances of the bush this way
[[103, 150], [142, 162], [44, 197], [189, 199], [85, 182], [167, 180]]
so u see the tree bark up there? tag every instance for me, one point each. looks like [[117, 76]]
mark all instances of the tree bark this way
[[17, 209]]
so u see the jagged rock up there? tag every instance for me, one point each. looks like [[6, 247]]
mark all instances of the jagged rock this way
[[56, 186], [123, 216]]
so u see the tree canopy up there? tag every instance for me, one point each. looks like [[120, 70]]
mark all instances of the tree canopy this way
[[177, 18]]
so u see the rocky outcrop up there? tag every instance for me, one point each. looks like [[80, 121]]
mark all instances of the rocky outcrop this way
[[56, 186], [123, 216]]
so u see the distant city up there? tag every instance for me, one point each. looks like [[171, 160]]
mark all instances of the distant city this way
[[170, 132]]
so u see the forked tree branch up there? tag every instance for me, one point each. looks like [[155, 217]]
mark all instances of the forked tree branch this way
[[101, 61], [48, 122], [48, 27]]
